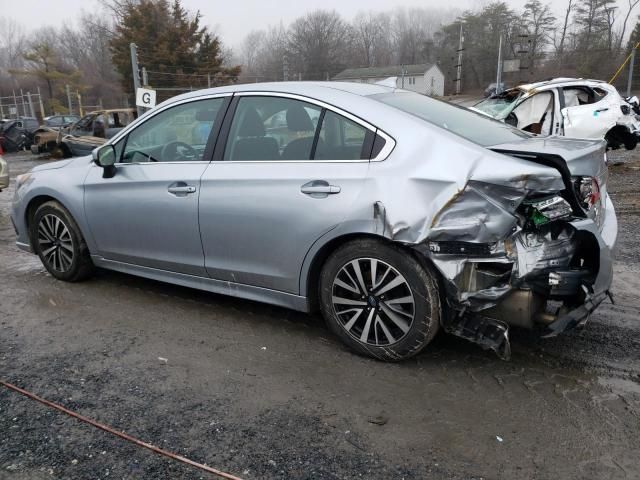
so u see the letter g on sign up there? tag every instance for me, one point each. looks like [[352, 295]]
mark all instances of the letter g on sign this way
[[145, 97]]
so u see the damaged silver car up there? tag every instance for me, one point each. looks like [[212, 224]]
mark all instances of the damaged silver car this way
[[394, 214]]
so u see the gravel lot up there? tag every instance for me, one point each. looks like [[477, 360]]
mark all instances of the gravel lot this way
[[263, 392]]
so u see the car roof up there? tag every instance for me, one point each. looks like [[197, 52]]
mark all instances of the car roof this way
[[308, 89], [559, 82]]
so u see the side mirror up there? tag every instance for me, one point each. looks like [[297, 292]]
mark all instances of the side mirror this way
[[105, 157]]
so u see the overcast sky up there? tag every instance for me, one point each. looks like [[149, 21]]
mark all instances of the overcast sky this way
[[232, 19]]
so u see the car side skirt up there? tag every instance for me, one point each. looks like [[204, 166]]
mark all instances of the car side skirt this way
[[258, 294]]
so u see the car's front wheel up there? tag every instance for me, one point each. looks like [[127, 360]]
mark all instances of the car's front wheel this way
[[57, 240], [379, 299]]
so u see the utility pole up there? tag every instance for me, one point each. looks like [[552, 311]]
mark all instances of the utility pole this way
[[69, 99], [145, 78], [631, 65], [80, 112], [459, 66], [41, 104], [24, 108], [33, 113], [15, 102], [285, 68], [208, 80], [499, 72], [402, 72], [136, 73]]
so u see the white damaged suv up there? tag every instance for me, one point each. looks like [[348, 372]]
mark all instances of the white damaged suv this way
[[569, 107]]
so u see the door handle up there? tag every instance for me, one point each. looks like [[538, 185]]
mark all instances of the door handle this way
[[602, 110], [181, 190], [319, 188], [328, 189]]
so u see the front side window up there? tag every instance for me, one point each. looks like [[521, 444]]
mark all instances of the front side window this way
[[177, 134], [535, 114], [272, 128]]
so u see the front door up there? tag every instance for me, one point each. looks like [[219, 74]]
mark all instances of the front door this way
[[147, 214], [289, 173]]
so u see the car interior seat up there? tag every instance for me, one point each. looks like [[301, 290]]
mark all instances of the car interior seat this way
[[253, 144]]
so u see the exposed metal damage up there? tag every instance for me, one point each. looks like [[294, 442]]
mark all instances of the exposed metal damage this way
[[520, 252]]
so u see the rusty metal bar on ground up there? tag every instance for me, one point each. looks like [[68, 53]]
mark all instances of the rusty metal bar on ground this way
[[122, 435]]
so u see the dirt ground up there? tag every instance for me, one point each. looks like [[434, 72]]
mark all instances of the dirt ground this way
[[264, 392]]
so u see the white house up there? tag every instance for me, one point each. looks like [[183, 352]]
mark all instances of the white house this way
[[423, 78]]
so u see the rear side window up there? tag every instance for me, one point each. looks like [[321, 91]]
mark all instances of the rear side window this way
[[465, 123], [340, 139], [272, 128], [276, 128]]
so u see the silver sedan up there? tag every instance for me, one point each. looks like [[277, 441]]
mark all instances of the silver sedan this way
[[394, 214]]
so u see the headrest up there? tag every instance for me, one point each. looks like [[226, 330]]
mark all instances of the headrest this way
[[252, 125], [298, 119]]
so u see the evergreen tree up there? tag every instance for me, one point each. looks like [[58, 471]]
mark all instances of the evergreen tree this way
[[169, 40]]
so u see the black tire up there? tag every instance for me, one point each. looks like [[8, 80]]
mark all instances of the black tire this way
[[70, 260], [630, 141], [389, 343]]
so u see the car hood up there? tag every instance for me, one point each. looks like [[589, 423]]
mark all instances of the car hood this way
[[61, 164]]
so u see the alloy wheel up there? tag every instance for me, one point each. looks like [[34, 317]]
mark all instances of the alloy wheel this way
[[373, 301], [56, 243]]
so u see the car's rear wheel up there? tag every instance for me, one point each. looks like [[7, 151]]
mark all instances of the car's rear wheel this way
[[379, 299], [57, 240]]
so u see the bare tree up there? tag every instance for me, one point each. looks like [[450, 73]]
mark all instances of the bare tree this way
[[318, 43], [368, 29], [594, 17], [631, 6], [539, 21], [563, 35], [250, 50]]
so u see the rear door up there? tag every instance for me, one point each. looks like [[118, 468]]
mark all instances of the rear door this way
[[277, 186], [586, 115]]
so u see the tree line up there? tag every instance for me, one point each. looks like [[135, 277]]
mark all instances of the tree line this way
[[587, 38]]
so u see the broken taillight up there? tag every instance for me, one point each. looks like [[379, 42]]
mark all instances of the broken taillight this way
[[590, 196], [588, 191], [540, 211]]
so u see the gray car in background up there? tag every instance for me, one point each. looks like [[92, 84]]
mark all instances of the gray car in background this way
[[394, 214]]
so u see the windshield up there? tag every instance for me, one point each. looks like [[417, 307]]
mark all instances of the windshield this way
[[499, 106], [473, 126]]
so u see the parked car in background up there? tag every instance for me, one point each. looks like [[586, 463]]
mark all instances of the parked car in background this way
[[570, 107], [17, 134], [57, 121], [45, 138], [393, 213], [4, 174], [93, 130]]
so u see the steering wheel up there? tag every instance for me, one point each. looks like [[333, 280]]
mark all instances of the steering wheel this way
[[177, 151]]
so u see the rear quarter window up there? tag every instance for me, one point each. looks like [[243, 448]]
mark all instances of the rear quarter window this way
[[472, 126]]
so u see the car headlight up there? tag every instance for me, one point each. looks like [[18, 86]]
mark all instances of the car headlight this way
[[542, 210], [22, 180]]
